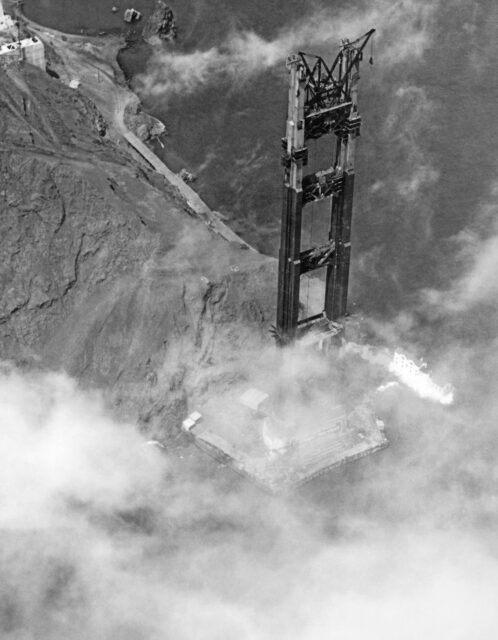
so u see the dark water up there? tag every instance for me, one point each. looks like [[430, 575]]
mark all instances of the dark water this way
[[230, 136], [91, 16]]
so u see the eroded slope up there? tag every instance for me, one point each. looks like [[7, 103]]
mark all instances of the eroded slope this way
[[104, 270]]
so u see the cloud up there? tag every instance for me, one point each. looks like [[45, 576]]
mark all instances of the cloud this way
[[481, 284], [58, 445], [403, 31], [103, 537], [475, 253], [407, 125]]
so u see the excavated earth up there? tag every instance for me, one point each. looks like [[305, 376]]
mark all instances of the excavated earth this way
[[105, 271]]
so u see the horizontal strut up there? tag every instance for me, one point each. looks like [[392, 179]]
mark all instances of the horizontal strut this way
[[317, 257], [322, 184]]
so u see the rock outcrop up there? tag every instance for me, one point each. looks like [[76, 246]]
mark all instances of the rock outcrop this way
[[160, 25], [105, 272], [143, 125]]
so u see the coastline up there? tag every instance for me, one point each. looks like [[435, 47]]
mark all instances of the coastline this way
[[90, 64]]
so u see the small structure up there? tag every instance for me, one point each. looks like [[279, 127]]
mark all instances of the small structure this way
[[186, 176], [193, 420], [132, 15], [154, 443], [254, 399]]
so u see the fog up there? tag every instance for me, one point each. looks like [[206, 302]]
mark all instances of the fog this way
[[105, 537], [403, 32]]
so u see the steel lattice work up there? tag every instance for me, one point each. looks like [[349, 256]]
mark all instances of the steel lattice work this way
[[322, 101]]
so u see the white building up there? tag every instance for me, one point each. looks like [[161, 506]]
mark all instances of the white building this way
[[12, 50], [6, 22], [34, 51], [29, 49]]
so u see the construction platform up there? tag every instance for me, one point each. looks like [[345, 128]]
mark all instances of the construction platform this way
[[279, 449]]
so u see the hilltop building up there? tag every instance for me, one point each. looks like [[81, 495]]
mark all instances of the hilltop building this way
[[28, 49], [6, 22], [13, 50]]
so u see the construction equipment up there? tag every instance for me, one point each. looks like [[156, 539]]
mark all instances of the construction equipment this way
[[322, 101]]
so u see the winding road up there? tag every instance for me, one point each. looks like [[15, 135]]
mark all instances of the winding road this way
[[90, 63]]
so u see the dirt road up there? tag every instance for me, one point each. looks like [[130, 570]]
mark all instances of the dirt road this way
[[90, 64]]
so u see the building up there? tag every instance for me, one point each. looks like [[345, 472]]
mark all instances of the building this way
[[34, 51], [30, 50], [132, 15], [6, 22], [13, 50]]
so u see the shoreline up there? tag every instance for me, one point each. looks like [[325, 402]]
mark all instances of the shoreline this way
[[90, 63]]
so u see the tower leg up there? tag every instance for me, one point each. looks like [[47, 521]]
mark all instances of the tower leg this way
[[289, 263], [336, 284]]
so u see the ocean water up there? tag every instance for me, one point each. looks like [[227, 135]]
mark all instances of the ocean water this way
[[74, 16], [426, 159]]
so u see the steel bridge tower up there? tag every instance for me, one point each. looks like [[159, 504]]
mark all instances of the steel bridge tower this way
[[322, 101]]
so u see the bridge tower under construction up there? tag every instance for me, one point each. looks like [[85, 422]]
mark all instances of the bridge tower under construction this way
[[322, 102]]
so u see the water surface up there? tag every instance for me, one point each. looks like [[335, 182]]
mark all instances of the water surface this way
[[229, 136]]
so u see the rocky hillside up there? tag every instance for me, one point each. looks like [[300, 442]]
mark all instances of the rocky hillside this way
[[104, 271]]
